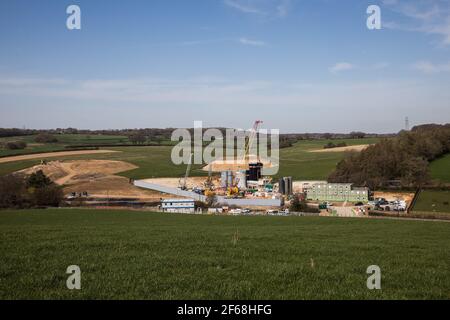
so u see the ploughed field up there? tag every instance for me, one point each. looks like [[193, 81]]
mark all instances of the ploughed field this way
[[143, 255]]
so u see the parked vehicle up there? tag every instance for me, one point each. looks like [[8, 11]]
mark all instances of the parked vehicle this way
[[397, 205], [236, 211]]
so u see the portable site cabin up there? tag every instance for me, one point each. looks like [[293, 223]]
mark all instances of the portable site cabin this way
[[178, 205], [337, 192]]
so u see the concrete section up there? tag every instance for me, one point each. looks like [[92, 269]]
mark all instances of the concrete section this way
[[220, 199], [169, 190]]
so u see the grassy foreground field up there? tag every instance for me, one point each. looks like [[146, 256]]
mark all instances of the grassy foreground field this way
[[143, 255]]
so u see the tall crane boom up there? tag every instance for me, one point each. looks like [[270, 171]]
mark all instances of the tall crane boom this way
[[251, 139]]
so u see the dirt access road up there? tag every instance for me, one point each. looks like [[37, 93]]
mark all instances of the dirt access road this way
[[356, 148], [52, 154]]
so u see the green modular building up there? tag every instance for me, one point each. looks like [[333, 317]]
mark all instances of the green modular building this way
[[337, 192]]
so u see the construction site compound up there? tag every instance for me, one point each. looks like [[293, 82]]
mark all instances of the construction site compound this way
[[232, 186]]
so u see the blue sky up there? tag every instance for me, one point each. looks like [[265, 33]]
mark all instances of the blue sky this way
[[299, 65]]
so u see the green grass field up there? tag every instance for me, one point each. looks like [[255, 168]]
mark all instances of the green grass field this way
[[433, 201], [440, 169], [302, 164], [64, 140], [296, 161], [152, 162], [142, 255]]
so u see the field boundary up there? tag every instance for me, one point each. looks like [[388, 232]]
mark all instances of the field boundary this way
[[416, 215], [414, 200], [65, 149], [52, 154]]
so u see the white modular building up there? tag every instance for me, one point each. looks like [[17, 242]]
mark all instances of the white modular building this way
[[178, 205]]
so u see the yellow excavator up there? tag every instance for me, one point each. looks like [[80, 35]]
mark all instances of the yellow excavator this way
[[209, 192], [209, 185], [233, 190]]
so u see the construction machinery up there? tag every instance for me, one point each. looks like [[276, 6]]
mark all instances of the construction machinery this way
[[209, 193], [209, 185], [183, 181], [232, 191], [250, 141]]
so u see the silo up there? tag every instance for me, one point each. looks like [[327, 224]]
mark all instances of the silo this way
[[229, 178], [288, 185], [281, 188], [223, 179], [241, 177]]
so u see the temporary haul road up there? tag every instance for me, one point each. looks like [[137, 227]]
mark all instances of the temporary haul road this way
[[52, 155], [357, 148]]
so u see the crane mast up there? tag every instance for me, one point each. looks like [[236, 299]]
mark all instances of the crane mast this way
[[251, 139], [183, 184]]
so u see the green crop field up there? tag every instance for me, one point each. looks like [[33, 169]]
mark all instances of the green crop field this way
[[433, 201], [143, 255], [296, 161], [152, 162], [302, 164], [64, 140], [440, 169]]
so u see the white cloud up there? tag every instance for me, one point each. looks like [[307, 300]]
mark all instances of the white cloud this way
[[341, 66], [139, 90], [238, 5], [263, 8], [380, 65], [149, 102], [19, 82], [429, 17], [429, 67], [443, 30], [283, 8], [249, 42]]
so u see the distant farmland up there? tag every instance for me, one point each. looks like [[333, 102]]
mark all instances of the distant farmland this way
[[143, 255], [296, 161], [64, 140]]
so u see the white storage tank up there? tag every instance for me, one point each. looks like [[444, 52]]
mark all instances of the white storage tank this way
[[241, 177]]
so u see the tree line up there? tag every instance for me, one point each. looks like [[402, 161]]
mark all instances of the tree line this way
[[403, 159], [19, 191]]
